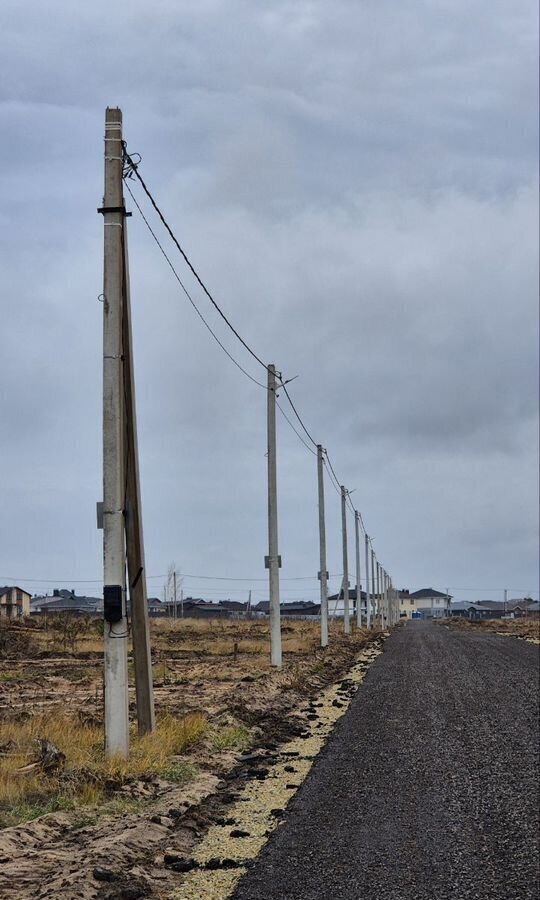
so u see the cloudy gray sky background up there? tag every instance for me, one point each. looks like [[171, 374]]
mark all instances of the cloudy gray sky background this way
[[357, 184]]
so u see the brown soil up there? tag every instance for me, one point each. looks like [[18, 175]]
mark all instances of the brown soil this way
[[118, 850], [527, 629]]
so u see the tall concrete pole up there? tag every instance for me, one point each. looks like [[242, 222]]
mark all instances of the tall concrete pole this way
[[378, 576], [174, 596], [358, 571], [323, 573], [273, 560], [368, 600], [373, 606], [140, 626], [114, 591], [346, 612]]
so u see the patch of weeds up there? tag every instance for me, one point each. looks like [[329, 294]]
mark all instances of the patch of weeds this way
[[119, 806], [297, 680], [232, 737], [179, 772], [15, 675], [27, 810], [84, 820]]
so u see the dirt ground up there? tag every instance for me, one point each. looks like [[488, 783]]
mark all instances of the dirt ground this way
[[526, 629], [215, 673]]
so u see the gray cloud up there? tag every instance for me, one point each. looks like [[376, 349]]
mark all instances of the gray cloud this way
[[357, 184]]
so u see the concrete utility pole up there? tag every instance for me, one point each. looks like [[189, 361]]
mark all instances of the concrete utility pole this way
[[373, 606], [174, 595], [122, 520], [368, 600], [505, 600], [378, 576], [114, 593], [323, 573], [346, 613], [358, 572], [140, 626], [273, 560]]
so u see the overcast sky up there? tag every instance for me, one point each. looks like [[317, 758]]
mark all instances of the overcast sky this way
[[356, 181]]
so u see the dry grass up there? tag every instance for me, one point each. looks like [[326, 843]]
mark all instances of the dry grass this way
[[193, 652], [523, 628], [88, 774]]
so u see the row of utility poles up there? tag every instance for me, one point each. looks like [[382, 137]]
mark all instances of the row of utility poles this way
[[382, 607], [120, 513]]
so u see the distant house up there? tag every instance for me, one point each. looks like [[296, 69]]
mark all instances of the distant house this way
[[494, 609], [427, 603], [301, 608], [156, 608], [196, 608], [297, 608], [234, 606], [14, 602], [463, 609], [336, 602], [65, 601], [522, 608]]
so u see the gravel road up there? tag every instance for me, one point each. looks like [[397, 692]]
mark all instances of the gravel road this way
[[428, 787]]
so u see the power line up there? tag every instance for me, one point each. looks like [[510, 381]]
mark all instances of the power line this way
[[297, 414], [68, 580], [188, 295], [334, 483], [133, 169], [297, 433], [130, 170], [199, 313]]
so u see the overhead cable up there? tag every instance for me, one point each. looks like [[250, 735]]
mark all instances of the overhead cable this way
[[133, 168], [188, 295]]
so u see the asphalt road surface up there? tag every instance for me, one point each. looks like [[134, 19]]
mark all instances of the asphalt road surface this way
[[428, 787]]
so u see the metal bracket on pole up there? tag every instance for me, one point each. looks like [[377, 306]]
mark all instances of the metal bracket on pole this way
[[115, 209], [267, 562]]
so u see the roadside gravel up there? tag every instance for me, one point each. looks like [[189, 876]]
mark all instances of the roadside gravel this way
[[428, 787]]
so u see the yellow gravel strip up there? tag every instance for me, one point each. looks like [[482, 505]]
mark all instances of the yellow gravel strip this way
[[252, 813]]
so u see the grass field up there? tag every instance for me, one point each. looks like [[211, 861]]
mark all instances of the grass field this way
[[527, 628], [214, 688]]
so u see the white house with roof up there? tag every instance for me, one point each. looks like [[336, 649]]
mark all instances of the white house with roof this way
[[427, 602]]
